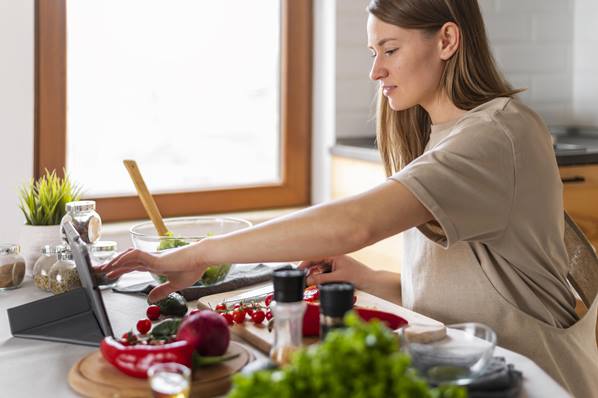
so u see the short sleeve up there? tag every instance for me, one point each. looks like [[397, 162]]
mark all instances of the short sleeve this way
[[467, 182]]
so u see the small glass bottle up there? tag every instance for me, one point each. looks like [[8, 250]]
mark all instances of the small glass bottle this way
[[102, 252], [63, 274], [12, 266], [85, 220], [288, 308], [336, 299], [41, 269]]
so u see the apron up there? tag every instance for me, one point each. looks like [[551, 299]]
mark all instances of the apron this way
[[453, 286]]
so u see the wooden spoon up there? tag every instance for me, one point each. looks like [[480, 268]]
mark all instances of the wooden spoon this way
[[146, 198]]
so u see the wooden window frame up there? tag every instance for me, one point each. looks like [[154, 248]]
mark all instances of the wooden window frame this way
[[296, 78]]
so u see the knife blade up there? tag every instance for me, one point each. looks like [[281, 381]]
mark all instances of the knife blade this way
[[251, 295]]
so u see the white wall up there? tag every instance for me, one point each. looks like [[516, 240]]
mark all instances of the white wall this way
[[532, 41], [16, 110], [585, 91]]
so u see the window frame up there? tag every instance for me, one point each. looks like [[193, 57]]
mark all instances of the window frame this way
[[295, 122]]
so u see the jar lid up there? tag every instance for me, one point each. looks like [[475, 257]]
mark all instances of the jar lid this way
[[65, 255], [336, 298], [9, 248], [53, 249], [82, 205], [288, 285], [102, 246]]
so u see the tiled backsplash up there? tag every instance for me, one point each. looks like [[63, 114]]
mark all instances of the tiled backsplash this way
[[546, 46]]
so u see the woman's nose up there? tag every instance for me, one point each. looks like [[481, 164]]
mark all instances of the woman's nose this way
[[377, 72]]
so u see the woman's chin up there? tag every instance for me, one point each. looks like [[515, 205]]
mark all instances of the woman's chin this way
[[397, 105]]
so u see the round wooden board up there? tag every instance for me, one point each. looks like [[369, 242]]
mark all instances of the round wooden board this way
[[92, 376]]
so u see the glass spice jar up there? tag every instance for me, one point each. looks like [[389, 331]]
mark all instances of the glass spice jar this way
[[85, 220], [102, 252], [12, 266], [41, 269], [63, 274]]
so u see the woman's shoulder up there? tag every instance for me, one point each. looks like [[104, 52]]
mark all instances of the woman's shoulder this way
[[507, 115]]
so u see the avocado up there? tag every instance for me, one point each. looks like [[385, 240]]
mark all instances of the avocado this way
[[173, 305]]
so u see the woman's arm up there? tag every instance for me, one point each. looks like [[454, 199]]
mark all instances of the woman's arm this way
[[321, 231], [325, 230]]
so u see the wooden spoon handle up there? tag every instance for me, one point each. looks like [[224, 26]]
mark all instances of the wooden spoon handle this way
[[146, 198]]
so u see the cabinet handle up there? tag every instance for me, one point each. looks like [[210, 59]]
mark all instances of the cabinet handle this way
[[573, 179]]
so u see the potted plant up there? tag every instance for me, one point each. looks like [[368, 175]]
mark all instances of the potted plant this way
[[43, 205]]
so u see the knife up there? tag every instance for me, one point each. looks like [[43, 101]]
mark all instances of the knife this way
[[251, 295]]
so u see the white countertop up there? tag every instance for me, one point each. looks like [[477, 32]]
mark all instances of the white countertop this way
[[34, 368]]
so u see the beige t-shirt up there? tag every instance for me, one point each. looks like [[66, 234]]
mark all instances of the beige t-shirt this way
[[491, 181]]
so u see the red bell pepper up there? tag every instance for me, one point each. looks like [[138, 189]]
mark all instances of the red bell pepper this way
[[311, 318], [135, 360]]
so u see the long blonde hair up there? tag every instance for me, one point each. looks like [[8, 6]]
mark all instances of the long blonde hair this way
[[470, 77]]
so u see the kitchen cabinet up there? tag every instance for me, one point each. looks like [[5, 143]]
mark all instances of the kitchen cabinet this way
[[580, 196], [352, 176]]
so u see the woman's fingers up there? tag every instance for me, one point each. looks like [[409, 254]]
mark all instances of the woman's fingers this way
[[317, 279], [131, 258]]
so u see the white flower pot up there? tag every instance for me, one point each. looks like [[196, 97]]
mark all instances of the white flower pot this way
[[32, 238]]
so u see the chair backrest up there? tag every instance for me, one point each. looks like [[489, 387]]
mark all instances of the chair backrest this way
[[583, 262]]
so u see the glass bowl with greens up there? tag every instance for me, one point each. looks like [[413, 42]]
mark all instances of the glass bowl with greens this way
[[183, 231]]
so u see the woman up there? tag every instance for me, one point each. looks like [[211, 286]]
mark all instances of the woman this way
[[470, 167]]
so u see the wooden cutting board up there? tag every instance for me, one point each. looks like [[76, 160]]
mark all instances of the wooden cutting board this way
[[92, 376], [259, 336]]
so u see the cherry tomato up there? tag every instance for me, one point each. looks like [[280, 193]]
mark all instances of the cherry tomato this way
[[221, 307], [268, 300], [269, 315], [258, 317], [239, 316], [249, 311], [228, 316], [144, 326], [153, 312]]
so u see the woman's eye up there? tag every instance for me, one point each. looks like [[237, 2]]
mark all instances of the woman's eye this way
[[390, 52]]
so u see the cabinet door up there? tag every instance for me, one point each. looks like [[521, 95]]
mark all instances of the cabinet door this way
[[580, 196], [350, 177]]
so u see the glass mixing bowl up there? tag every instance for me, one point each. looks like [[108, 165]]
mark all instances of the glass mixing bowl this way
[[458, 358], [183, 231]]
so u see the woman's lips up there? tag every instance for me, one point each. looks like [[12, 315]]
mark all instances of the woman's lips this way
[[387, 90]]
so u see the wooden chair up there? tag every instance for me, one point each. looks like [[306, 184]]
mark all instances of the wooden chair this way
[[583, 266]]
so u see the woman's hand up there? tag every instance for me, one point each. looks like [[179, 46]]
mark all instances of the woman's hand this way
[[384, 284], [179, 266], [336, 269]]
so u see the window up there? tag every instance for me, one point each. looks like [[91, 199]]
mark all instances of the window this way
[[211, 98]]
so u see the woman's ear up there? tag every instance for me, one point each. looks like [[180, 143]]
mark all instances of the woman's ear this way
[[450, 39]]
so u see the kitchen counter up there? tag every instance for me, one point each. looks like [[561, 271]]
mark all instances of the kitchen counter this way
[[573, 146], [35, 368]]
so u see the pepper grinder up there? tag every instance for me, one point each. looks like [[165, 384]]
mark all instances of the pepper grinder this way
[[336, 299], [288, 308]]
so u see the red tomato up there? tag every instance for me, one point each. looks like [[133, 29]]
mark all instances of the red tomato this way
[[144, 326], [268, 315], [221, 307], [239, 316], [228, 316], [258, 317], [153, 312]]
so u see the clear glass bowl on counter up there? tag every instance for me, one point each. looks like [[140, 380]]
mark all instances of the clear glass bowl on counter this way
[[458, 358], [184, 231]]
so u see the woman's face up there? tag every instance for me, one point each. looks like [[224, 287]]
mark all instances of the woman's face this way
[[406, 62]]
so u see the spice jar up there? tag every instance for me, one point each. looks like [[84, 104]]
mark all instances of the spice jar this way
[[336, 299], [288, 308], [102, 252], [12, 266], [85, 220], [41, 269], [63, 274]]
